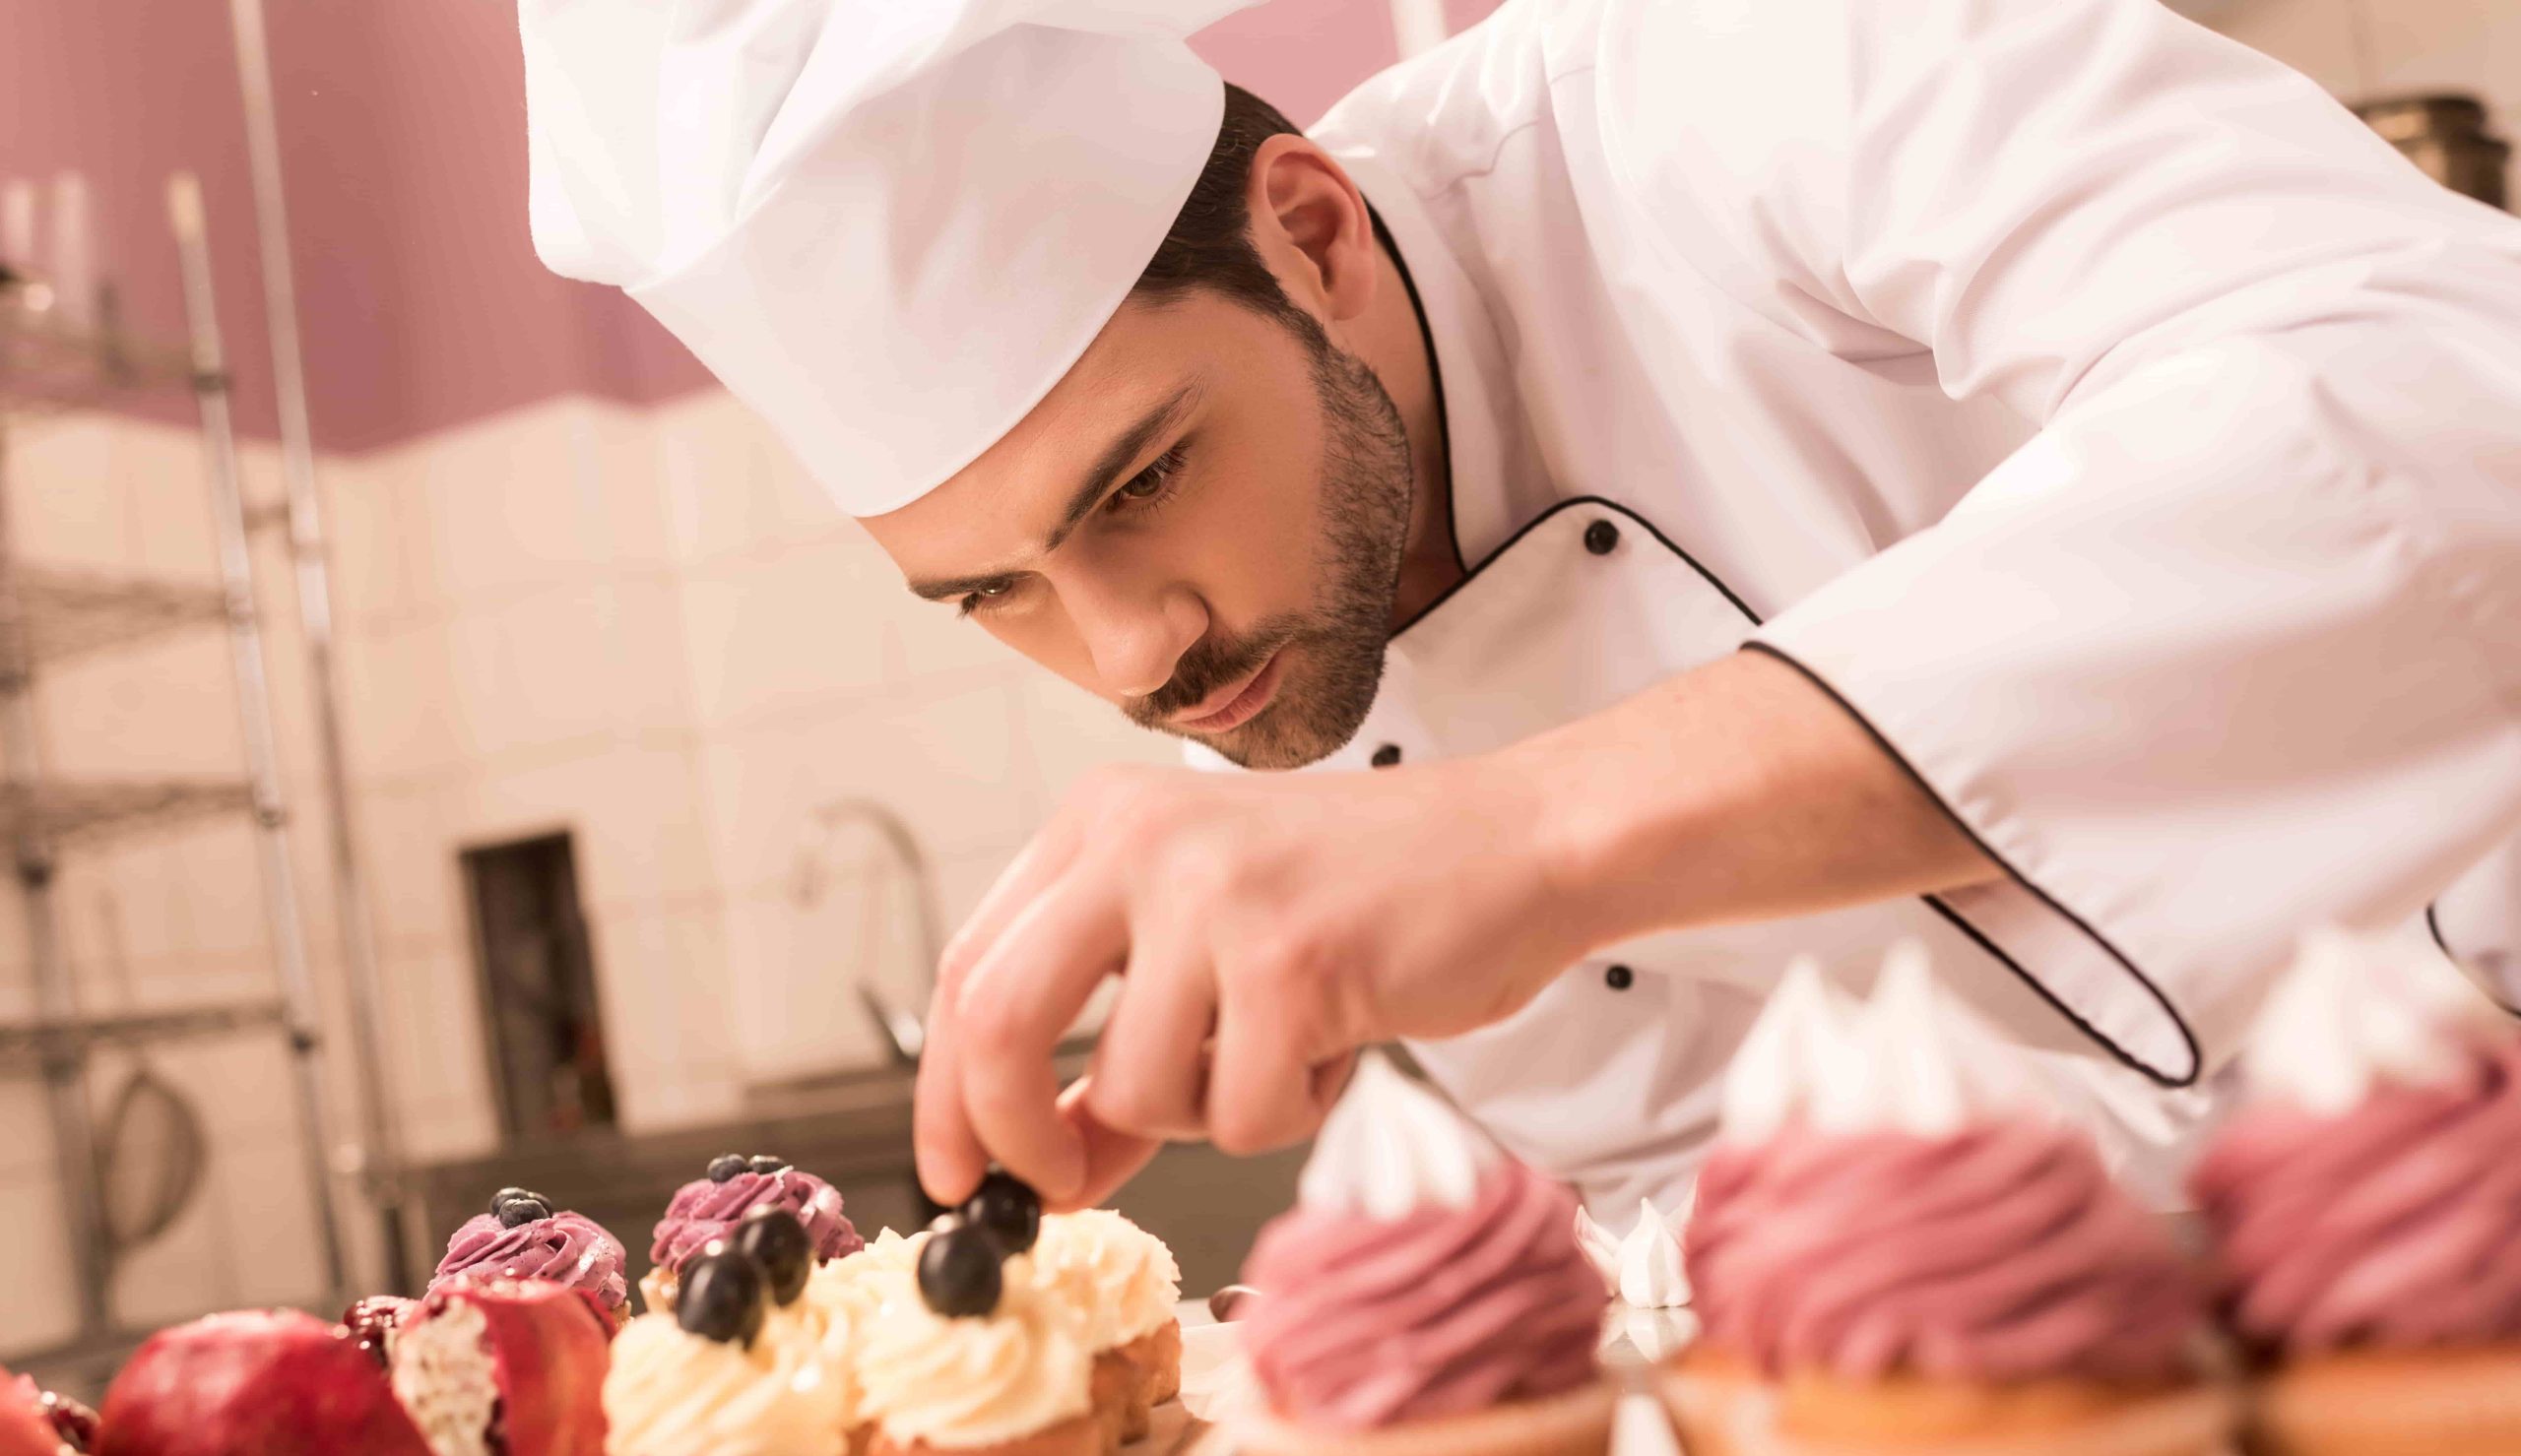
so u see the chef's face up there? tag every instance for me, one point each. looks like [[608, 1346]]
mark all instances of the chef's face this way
[[1203, 524]]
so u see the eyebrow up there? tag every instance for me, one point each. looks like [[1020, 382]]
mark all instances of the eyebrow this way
[[1096, 484]]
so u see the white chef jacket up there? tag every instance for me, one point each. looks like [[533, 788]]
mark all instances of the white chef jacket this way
[[2120, 430]]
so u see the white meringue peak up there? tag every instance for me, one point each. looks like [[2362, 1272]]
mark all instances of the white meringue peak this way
[[2355, 1012], [1645, 1269], [1914, 1060], [1391, 1147]]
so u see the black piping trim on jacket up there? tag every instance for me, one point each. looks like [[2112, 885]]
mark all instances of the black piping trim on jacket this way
[[1576, 503], [2196, 1059], [2122, 1054], [2433, 924]]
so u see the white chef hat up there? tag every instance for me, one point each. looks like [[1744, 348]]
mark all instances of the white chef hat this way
[[889, 225]]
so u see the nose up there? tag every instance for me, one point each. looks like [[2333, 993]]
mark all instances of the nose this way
[[1134, 637]]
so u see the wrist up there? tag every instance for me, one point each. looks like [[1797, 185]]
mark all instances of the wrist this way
[[1588, 820]]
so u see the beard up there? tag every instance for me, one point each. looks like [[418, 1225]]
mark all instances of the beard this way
[[1334, 651]]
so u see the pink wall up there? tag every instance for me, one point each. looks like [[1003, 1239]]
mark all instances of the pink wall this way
[[402, 141]]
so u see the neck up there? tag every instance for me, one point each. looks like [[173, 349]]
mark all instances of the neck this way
[[1393, 341]]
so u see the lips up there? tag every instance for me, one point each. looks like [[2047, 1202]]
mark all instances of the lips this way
[[1238, 704]]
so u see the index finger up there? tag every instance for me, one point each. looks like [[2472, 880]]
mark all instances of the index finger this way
[[1009, 1014], [948, 1152]]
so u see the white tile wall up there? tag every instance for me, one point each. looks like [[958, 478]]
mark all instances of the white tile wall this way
[[648, 629]]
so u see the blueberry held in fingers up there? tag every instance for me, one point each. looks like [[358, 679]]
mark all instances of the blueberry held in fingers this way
[[772, 1237], [958, 1273], [1009, 1209], [723, 1298]]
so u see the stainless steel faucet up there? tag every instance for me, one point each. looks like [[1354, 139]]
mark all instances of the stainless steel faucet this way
[[904, 1030]]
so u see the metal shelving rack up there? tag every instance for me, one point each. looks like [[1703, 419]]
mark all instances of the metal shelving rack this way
[[49, 616]]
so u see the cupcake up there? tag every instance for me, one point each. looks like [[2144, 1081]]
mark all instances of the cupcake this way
[[1649, 1288], [1426, 1294], [972, 1353], [272, 1382], [502, 1368], [707, 1209], [2366, 1209], [736, 1370], [1898, 1246], [34, 1421], [522, 1237], [1124, 1287]]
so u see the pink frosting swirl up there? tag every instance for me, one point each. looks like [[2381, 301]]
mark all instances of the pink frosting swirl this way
[[702, 1210], [2395, 1225], [564, 1248], [1364, 1324], [2001, 1253]]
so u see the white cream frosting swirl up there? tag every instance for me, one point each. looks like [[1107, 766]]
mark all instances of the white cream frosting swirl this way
[[1392, 1147], [2356, 1012], [1914, 1059], [1120, 1279], [962, 1383], [853, 1278], [673, 1393]]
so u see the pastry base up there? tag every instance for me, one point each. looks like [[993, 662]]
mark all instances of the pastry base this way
[[1085, 1435], [1577, 1423], [2399, 1403], [1131, 1381], [1725, 1408]]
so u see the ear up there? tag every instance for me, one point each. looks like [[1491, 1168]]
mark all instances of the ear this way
[[1311, 227]]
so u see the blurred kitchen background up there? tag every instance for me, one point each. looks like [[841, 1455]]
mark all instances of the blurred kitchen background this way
[[655, 791]]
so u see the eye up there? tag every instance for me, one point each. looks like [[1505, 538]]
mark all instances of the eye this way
[[1148, 484], [983, 597]]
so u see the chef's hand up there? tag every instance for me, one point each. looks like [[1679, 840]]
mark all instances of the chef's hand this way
[[1263, 928]]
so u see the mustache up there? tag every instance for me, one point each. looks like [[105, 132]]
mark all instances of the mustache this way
[[1209, 664]]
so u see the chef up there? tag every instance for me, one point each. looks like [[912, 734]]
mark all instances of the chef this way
[[1696, 484]]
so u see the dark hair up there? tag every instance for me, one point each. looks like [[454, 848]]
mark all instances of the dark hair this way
[[1209, 245]]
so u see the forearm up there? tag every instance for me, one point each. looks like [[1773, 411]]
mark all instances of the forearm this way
[[1738, 790]]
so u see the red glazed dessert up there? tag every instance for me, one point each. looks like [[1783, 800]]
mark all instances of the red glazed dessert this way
[[503, 1368], [33, 1421], [272, 1382]]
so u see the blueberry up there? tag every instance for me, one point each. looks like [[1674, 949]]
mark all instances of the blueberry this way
[[774, 1239], [721, 1298], [1008, 1209], [958, 1273], [518, 1212], [507, 1196], [765, 1165], [724, 1166]]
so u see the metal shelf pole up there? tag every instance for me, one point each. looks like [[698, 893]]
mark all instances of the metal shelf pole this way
[[381, 1153], [74, 1138], [253, 707]]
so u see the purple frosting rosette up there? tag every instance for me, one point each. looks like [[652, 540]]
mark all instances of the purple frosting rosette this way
[[565, 1248], [709, 1209]]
